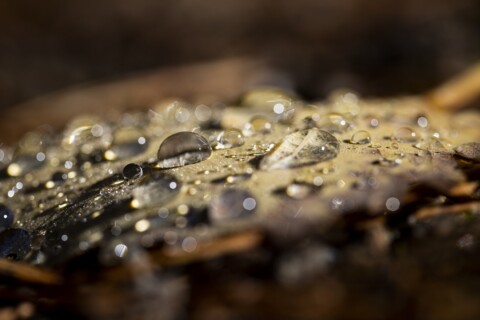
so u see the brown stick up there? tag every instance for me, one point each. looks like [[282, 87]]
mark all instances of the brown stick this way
[[473, 207], [458, 92], [28, 273]]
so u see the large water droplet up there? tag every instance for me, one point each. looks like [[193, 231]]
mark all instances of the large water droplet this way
[[14, 243], [183, 148], [232, 204], [405, 134], [6, 217], [302, 148], [229, 138], [361, 137]]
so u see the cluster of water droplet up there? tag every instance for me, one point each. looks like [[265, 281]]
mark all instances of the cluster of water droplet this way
[[178, 166]]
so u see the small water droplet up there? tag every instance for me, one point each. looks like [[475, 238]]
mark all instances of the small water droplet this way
[[229, 138], [120, 250], [6, 217], [132, 171], [232, 204], [431, 144], [142, 225], [422, 122], [336, 123], [298, 190], [258, 124], [87, 135], [361, 137], [392, 204], [203, 113], [183, 148], [405, 134], [189, 244]]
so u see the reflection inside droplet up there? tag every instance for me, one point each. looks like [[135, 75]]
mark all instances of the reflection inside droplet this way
[[183, 148]]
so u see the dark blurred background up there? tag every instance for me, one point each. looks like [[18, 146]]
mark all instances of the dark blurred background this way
[[375, 47]]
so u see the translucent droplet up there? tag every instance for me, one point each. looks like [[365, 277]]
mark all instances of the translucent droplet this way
[[6, 217], [183, 148], [87, 135], [336, 122], [422, 122], [405, 134], [189, 244], [268, 100], [258, 124], [155, 191], [132, 171], [203, 113], [127, 142], [361, 137], [229, 138], [431, 144], [300, 148], [392, 204], [232, 204], [15, 243], [298, 190]]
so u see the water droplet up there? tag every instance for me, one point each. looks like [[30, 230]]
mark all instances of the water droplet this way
[[431, 144], [298, 190], [87, 135], [14, 243], [300, 148], [229, 138], [232, 204], [422, 122], [258, 124], [132, 171], [405, 134], [269, 100], [203, 113], [336, 123], [183, 148], [189, 244], [361, 137], [373, 122], [392, 204], [142, 225], [120, 250], [469, 151], [6, 217]]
